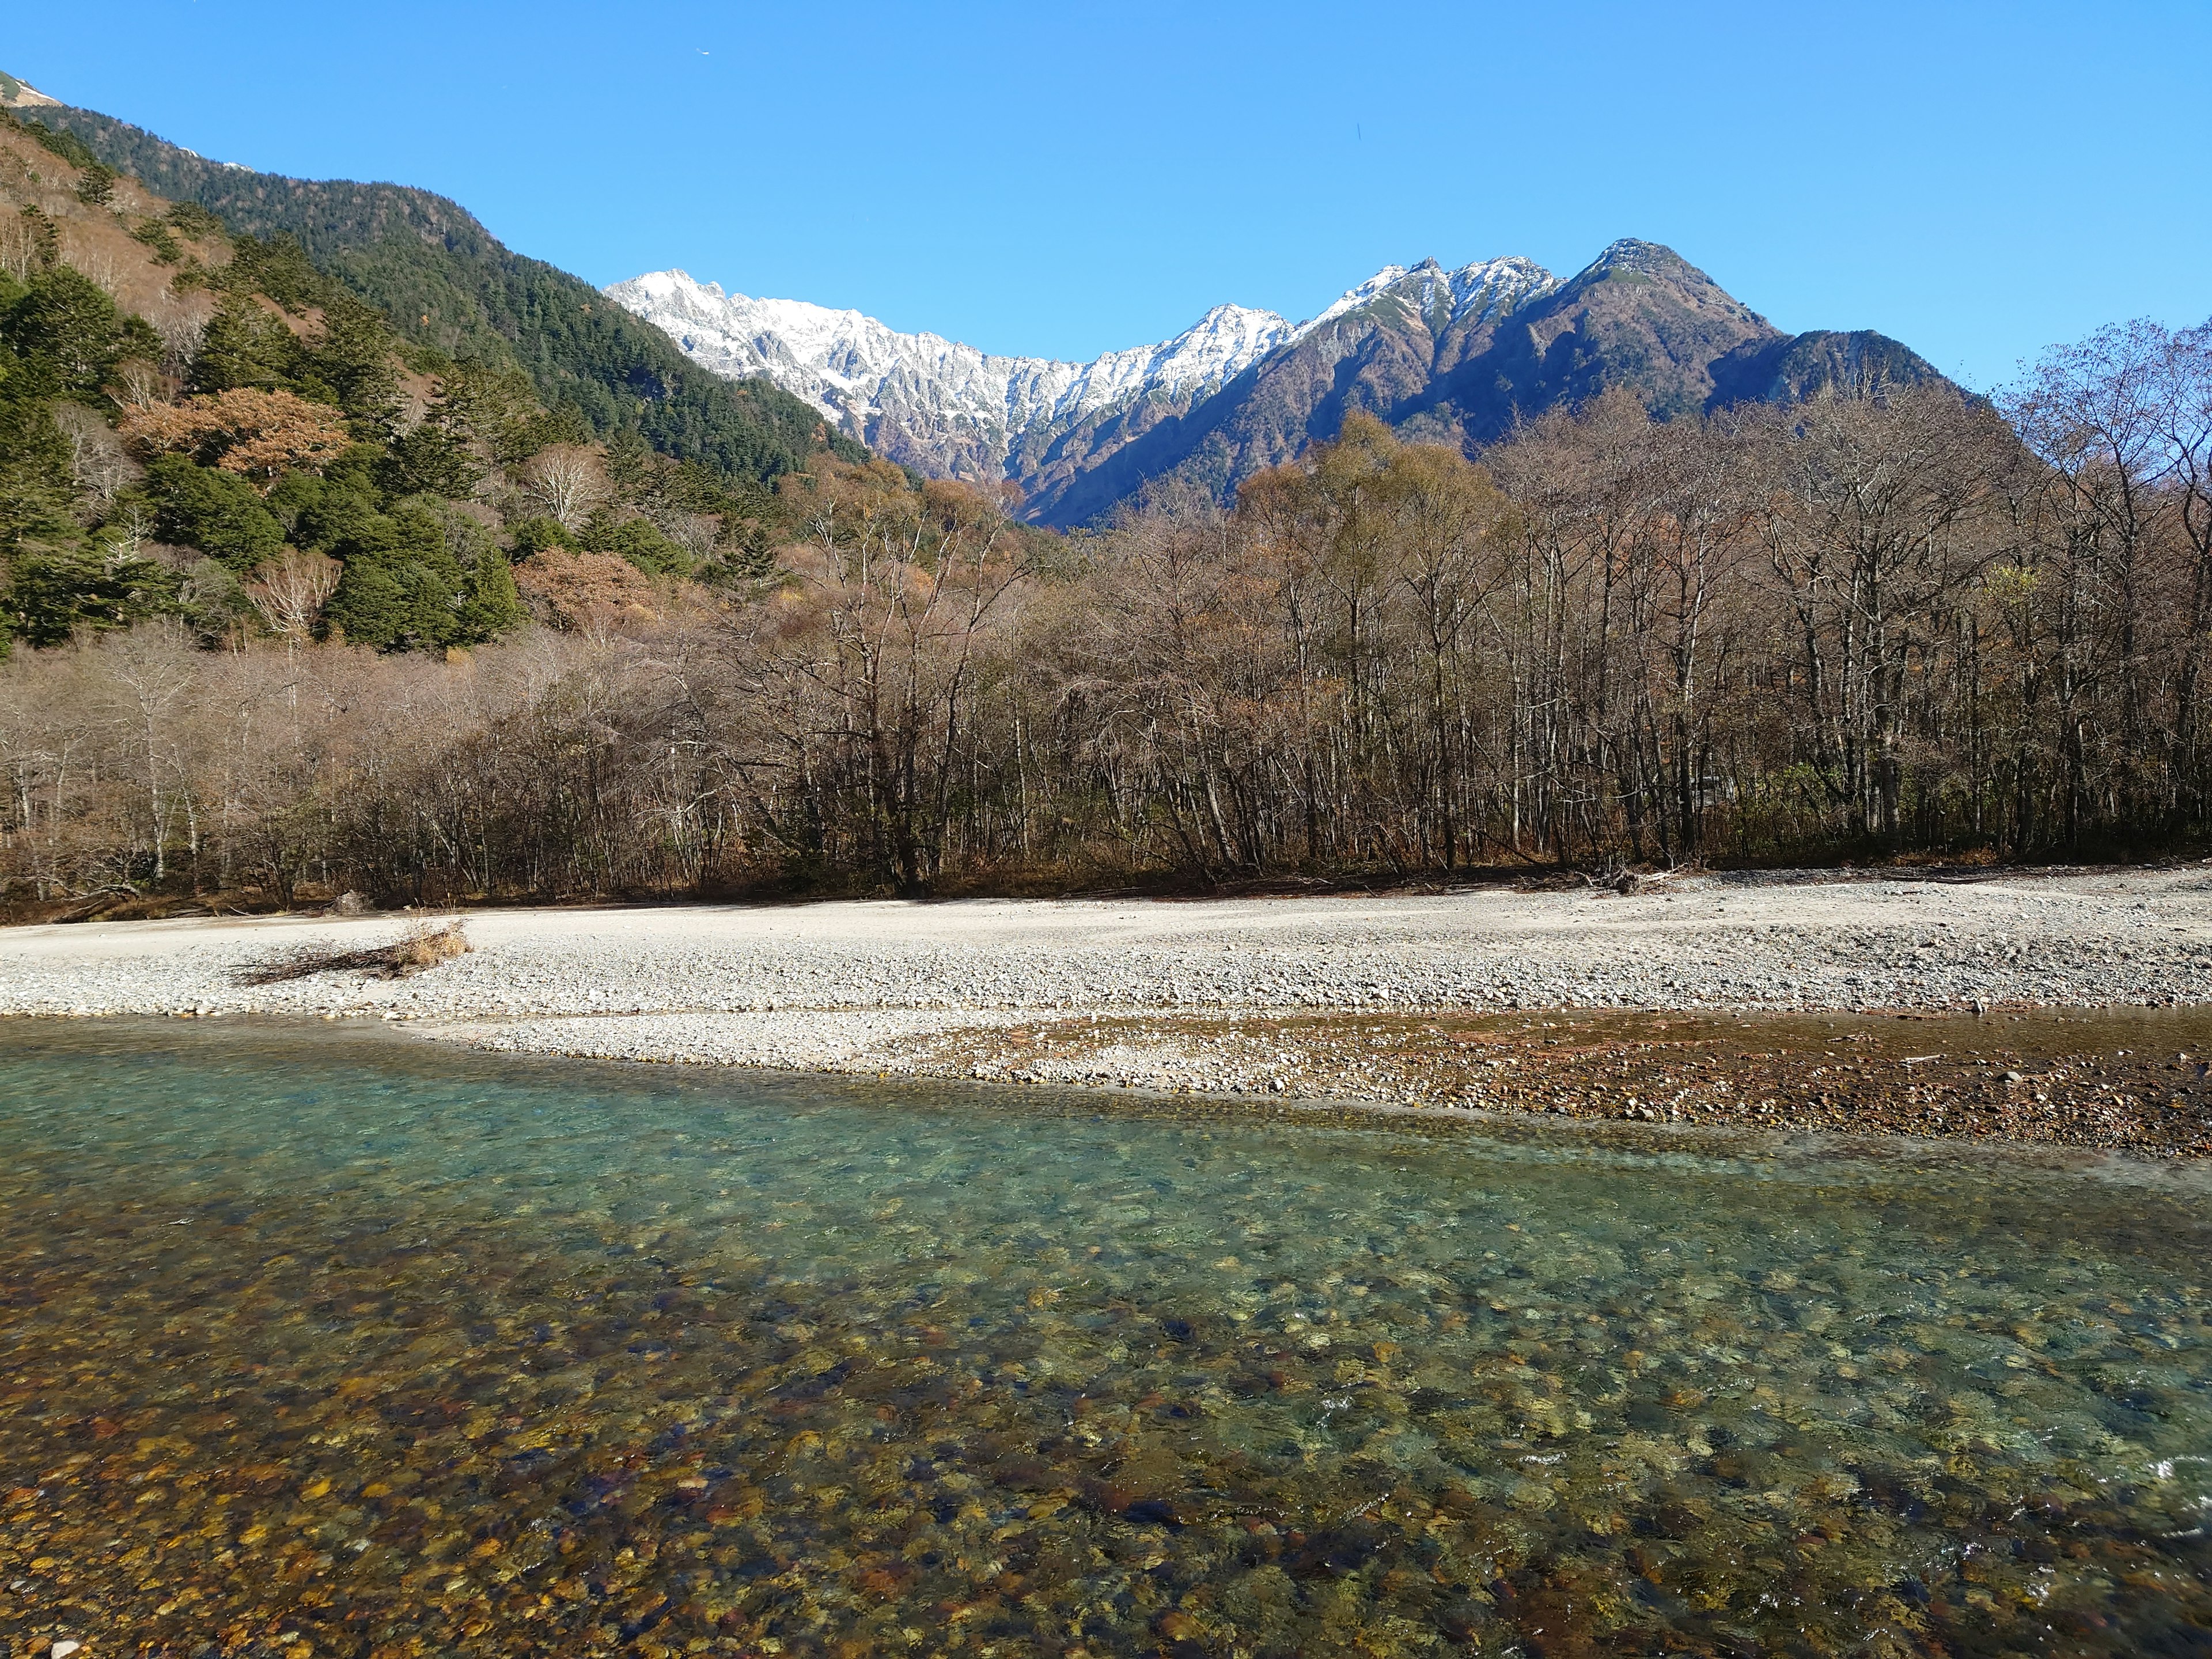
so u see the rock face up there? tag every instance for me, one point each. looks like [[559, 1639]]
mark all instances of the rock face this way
[[22, 95], [932, 404], [1445, 356]]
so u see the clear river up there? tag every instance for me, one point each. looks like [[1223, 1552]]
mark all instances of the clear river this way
[[329, 1342]]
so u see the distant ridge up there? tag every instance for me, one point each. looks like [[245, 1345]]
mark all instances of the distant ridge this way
[[22, 95], [754, 387], [1453, 355], [950, 411]]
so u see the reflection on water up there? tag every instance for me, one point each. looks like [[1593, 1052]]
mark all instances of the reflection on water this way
[[338, 1345]]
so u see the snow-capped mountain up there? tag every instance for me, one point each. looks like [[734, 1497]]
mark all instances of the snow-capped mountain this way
[[1476, 293], [948, 410], [1449, 356], [22, 95], [932, 404]]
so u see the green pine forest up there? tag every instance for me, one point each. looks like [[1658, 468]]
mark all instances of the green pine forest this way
[[448, 286], [406, 357]]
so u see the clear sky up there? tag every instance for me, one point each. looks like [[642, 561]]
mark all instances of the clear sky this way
[[1039, 178]]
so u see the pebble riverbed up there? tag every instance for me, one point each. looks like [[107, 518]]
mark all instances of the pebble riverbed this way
[[897, 988], [322, 1342]]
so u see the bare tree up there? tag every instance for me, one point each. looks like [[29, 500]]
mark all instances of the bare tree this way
[[97, 459], [183, 332], [2183, 398], [1882, 621], [93, 263], [565, 482], [289, 591], [147, 672], [696, 533], [23, 246]]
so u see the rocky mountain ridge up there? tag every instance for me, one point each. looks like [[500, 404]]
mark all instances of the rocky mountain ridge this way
[[22, 95], [1454, 355], [949, 410]]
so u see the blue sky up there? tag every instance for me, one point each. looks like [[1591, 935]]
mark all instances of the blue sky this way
[[1979, 180]]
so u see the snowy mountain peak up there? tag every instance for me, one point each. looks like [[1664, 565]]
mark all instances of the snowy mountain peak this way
[[1481, 292], [1211, 352], [22, 95], [1491, 288], [1353, 298], [947, 409], [927, 401]]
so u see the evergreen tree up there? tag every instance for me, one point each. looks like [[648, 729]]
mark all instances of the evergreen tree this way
[[490, 606], [68, 337], [349, 364], [638, 541], [54, 591], [402, 587], [245, 346], [533, 536], [36, 491], [217, 513], [497, 409], [97, 185], [342, 506], [428, 461]]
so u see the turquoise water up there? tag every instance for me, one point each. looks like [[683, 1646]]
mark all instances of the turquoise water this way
[[320, 1343]]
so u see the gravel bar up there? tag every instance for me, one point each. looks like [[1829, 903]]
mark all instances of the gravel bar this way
[[854, 985]]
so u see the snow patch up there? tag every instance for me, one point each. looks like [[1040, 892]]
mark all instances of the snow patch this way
[[960, 411]]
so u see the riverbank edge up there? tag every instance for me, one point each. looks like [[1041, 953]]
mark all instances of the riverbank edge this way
[[1751, 1142]]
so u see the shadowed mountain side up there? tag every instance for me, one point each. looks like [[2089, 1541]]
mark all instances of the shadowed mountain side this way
[[448, 283], [1810, 365], [1639, 318], [1058, 471], [1374, 359]]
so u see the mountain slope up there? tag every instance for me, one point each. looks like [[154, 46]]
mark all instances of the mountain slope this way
[[1050, 427], [1376, 351], [1448, 356], [450, 284], [934, 403]]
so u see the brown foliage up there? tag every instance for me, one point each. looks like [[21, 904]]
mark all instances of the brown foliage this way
[[96, 238], [259, 435], [589, 593]]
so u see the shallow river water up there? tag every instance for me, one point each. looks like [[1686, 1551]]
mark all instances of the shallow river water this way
[[320, 1343]]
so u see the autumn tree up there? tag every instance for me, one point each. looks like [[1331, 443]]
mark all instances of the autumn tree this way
[[260, 435]]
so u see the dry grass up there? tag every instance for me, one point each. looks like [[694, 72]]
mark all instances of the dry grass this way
[[421, 947]]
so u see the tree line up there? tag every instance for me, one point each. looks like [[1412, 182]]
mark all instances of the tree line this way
[[1903, 622]]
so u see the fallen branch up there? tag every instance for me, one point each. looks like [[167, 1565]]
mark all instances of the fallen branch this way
[[421, 947]]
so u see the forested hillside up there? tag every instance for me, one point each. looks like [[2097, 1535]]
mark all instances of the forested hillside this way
[[448, 285], [1911, 625], [207, 430]]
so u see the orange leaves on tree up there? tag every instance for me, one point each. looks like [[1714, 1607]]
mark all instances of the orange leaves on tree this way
[[261, 435]]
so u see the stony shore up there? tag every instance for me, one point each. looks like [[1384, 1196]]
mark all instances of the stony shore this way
[[1291, 998]]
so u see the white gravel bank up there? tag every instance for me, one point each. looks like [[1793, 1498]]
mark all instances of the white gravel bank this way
[[828, 985]]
